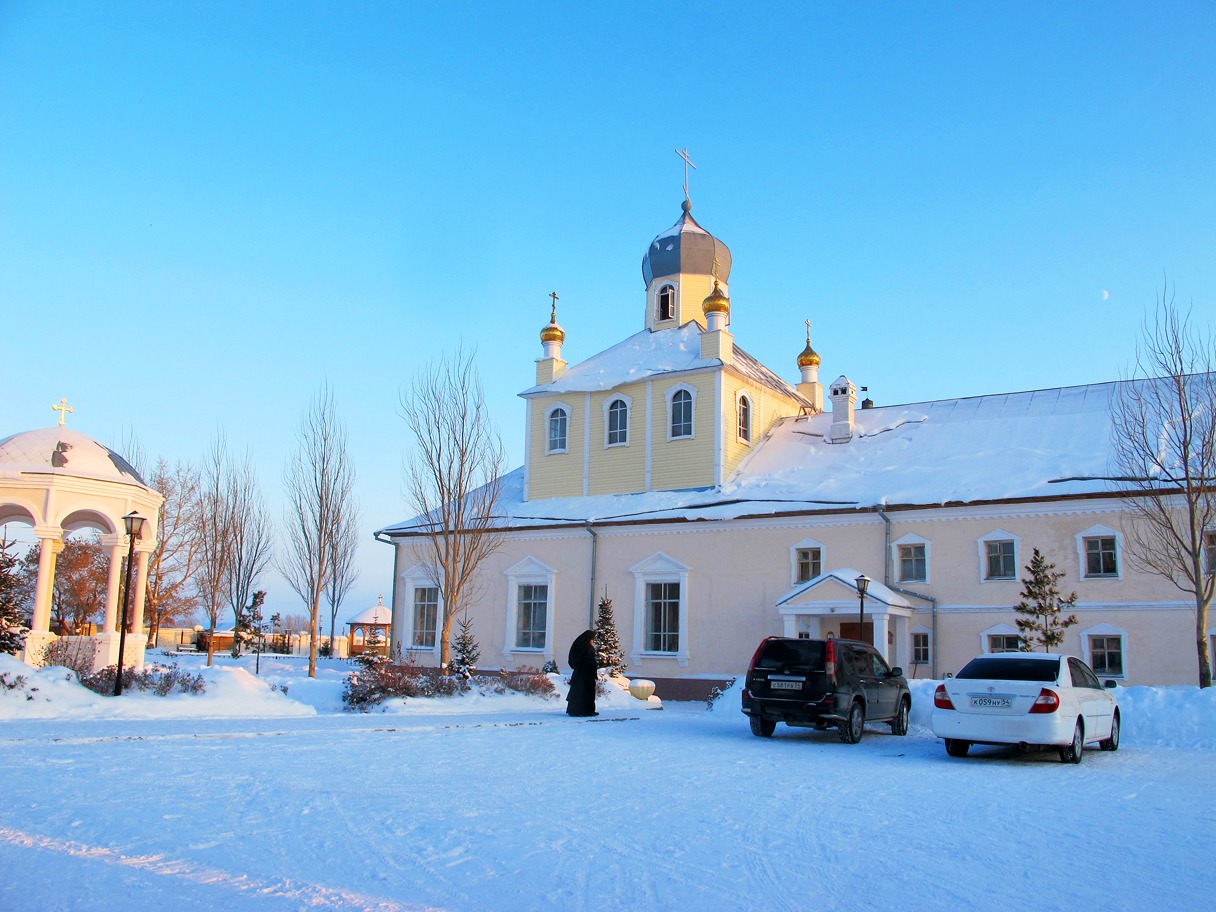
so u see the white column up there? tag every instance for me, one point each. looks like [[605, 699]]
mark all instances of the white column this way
[[114, 583], [49, 546], [882, 624]]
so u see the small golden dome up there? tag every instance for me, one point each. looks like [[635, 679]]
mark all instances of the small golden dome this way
[[809, 357], [553, 332], [716, 302]]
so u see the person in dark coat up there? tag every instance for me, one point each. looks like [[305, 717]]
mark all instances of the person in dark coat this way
[[584, 667]]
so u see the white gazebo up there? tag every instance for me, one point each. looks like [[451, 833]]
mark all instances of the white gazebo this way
[[369, 630], [59, 480]]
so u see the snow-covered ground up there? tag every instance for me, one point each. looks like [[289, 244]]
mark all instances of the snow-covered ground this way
[[247, 798]]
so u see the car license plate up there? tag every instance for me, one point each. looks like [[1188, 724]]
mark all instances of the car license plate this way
[[785, 685], [999, 701]]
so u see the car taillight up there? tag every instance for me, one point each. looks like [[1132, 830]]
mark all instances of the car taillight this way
[[1046, 702], [829, 659], [756, 655], [941, 699]]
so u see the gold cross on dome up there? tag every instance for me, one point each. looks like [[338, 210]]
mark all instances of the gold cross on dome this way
[[63, 408], [553, 313], [687, 164], [808, 332]]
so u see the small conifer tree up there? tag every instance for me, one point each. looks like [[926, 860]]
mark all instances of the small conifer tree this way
[[1040, 617], [13, 622], [466, 651], [608, 651]]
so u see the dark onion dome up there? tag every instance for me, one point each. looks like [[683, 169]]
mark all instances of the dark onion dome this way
[[716, 302], [809, 357], [686, 247]]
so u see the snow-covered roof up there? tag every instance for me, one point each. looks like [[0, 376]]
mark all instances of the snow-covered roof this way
[[650, 353], [63, 451], [1012, 446], [376, 614]]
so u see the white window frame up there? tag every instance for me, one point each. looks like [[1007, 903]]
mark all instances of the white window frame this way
[[741, 397], [806, 544], [671, 397], [617, 397], [528, 572], [551, 450], [911, 539], [658, 568], [419, 576], [1083, 556], [913, 633], [1105, 630], [658, 303], [999, 535], [414, 631], [1209, 551], [998, 630]]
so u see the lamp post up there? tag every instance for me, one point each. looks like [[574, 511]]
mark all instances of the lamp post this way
[[135, 525], [863, 583]]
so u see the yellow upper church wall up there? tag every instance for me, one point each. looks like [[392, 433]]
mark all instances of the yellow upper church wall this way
[[556, 474], [620, 468], [683, 462]]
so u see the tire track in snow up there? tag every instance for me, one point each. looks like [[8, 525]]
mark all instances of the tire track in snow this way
[[314, 896]]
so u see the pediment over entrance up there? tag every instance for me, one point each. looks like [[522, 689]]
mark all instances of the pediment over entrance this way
[[836, 592]]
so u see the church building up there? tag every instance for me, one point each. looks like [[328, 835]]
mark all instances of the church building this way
[[716, 503]]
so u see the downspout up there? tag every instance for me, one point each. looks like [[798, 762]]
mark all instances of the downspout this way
[[393, 599], [886, 580], [595, 540]]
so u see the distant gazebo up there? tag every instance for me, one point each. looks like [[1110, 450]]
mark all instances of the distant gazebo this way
[[369, 630]]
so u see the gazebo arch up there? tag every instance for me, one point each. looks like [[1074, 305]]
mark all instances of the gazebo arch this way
[[59, 480]]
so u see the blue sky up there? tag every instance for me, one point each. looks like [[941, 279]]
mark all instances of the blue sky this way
[[207, 210]]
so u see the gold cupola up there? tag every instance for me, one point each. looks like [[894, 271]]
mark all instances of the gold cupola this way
[[552, 332], [809, 357], [716, 302]]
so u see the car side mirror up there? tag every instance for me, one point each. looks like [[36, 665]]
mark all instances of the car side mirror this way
[[948, 674], [1110, 685], [897, 672]]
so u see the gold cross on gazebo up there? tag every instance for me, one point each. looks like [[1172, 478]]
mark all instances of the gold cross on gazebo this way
[[63, 408]]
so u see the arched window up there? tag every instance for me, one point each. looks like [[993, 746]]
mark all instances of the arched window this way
[[557, 431], [745, 419], [681, 414], [618, 423], [667, 303]]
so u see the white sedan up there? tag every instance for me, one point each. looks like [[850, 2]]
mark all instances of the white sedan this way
[[1029, 699]]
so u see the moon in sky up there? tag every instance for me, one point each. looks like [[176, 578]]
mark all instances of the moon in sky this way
[[1105, 295]]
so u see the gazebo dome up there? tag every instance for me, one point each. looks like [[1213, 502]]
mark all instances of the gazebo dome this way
[[63, 451], [379, 614], [686, 248]]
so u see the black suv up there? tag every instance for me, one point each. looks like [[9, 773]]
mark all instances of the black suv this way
[[817, 683]]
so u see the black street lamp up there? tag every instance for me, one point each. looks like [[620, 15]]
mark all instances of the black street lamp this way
[[135, 525], [863, 583]]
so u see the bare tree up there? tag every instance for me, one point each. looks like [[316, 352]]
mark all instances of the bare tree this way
[[1164, 441], [345, 545], [318, 480], [453, 480], [214, 535], [252, 548], [170, 597]]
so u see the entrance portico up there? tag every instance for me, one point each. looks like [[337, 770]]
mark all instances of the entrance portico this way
[[831, 601], [58, 480]]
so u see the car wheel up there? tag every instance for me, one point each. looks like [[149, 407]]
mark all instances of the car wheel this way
[[957, 748], [761, 727], [899, 725], [1112, 743], [852, 727], [1072, 753]]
